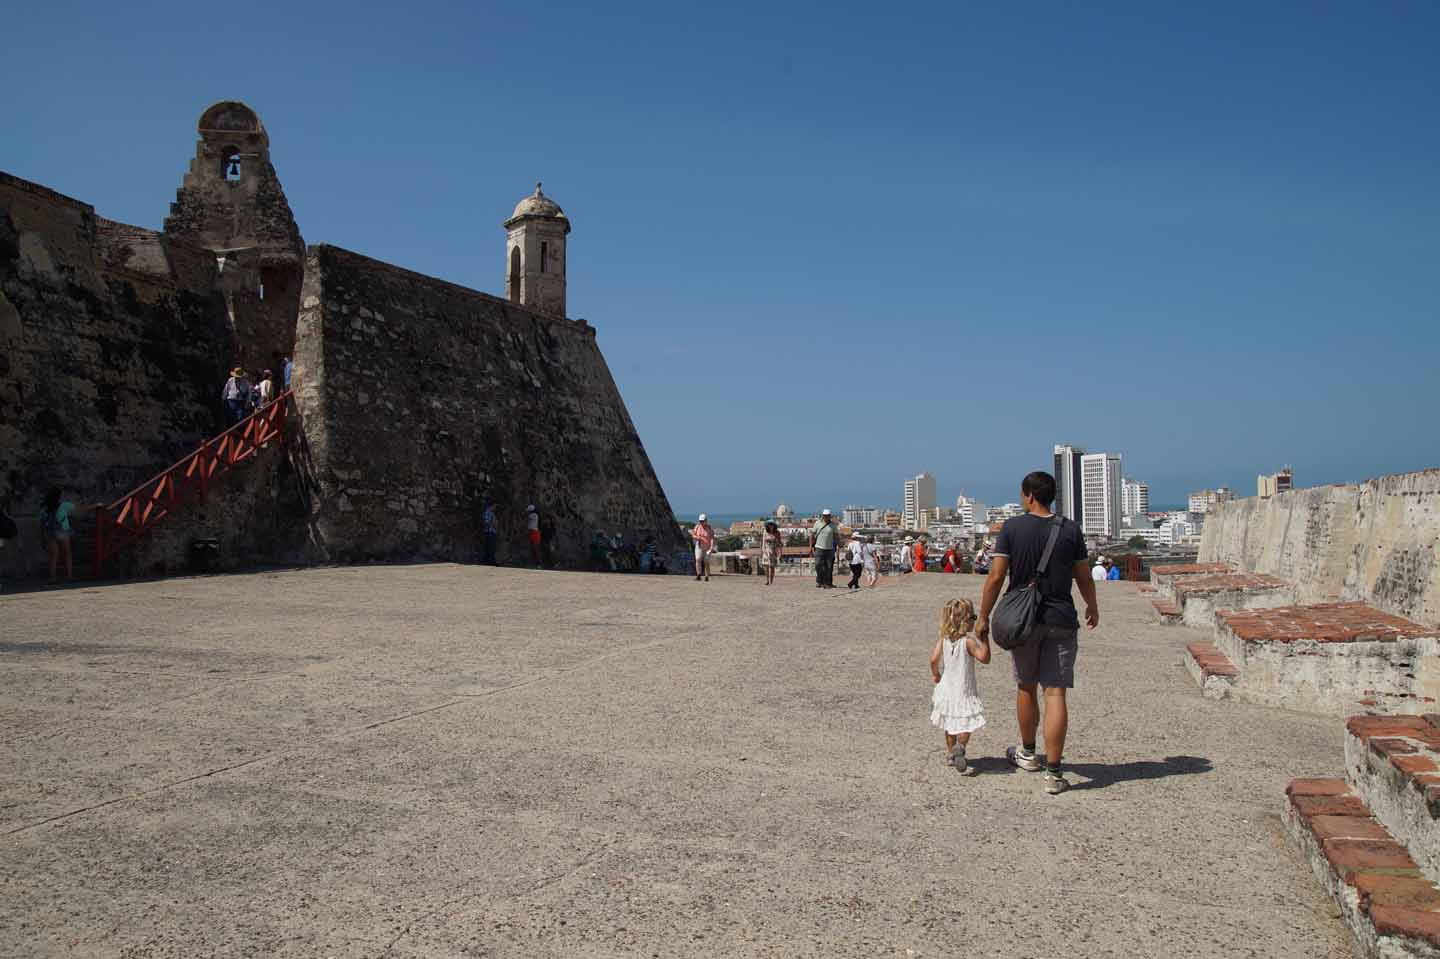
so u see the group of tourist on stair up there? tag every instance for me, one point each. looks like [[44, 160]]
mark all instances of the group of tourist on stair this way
[[243, 393]]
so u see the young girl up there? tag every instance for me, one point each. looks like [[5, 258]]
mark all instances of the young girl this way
[[771, 547], [955, 705]]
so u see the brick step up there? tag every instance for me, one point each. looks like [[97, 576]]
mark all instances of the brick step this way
[[1393, 762], [1342, 658], [1384, 897], [1169, 612], [1201, 595], [1163, 578], [1215, 674], [1144, 588]]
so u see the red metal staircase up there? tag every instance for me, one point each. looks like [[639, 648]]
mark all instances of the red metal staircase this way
[[130, 517]]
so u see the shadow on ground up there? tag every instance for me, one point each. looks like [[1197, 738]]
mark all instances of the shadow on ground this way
[[1100, 775]]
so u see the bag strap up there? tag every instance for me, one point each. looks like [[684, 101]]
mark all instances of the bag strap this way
[[1049, 546]]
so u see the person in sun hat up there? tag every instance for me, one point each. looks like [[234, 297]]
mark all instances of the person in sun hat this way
[[822, 547], [907, 555], [235, 395], [1098, 574], [704, 536]]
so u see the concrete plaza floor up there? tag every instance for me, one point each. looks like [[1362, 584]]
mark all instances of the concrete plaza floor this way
[[460, 761]]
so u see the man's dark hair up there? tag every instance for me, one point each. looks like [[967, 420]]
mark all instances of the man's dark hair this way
[[1041, 486]]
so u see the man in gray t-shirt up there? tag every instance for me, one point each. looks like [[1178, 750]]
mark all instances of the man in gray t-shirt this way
[[822, 547], [1047, 659]]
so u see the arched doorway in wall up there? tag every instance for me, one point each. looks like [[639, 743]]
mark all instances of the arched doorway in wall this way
[[514, 274]]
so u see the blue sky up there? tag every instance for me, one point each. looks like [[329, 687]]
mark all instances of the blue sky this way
[[827, 246]]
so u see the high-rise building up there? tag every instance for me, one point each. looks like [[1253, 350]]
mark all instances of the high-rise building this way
[[1100, 494], [1068, 500], [856, 517], [1275, 483], [919, 497], [1134, 497], [971, 511]]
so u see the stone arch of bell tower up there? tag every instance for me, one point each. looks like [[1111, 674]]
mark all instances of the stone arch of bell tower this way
[[536, 254], [231, 203]]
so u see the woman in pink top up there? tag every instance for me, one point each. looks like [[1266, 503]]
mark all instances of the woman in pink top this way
[[704, 535]]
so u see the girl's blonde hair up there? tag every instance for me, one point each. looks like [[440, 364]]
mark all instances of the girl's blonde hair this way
[[957, 619]]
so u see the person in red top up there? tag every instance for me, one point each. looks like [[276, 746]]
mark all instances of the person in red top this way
[[704, 535], [950, 564], [919, 554]]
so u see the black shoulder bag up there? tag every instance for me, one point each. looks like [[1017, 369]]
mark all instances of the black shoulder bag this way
[[1014, 616]]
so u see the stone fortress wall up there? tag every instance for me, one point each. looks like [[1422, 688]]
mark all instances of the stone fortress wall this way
[[421, 398], [113, 343], [1371, 542], [418, 398]]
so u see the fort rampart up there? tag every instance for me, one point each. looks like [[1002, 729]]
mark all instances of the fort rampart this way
[[1371, 542]]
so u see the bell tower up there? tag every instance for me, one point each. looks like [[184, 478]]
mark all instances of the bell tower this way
[[535, 254]]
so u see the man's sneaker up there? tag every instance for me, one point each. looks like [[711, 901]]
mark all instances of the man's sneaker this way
[[1055, 783], [1026, 761]]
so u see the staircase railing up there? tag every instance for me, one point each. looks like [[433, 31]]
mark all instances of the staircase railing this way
[[130, 517]]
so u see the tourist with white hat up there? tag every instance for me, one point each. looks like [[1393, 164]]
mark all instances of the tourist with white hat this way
[[856, 558], [822, 547], [704, 536], [907, 555], [1099, 573]]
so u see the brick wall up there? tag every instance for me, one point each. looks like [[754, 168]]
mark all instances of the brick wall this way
[[1373, 542], [420, 398]]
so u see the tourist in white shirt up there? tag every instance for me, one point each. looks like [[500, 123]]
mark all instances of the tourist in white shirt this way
[[1099, 573], [855, 555]]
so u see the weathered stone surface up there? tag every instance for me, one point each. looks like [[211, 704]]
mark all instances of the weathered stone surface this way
[[1373, 542], [1201, 596], [365, 760], [446, 396], [113, 347], [1392, 761], [1339, 658]]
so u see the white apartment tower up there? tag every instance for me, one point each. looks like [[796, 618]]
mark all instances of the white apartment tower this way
[[1068, 501], [971, 511], [1134, 497], [1100, 494], [919, 498]]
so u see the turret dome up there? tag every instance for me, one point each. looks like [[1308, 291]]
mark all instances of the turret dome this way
[[537, 204]]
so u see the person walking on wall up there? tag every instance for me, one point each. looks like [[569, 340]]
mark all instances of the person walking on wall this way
[[771, 546], [55, 529], [822, 548], [1047, 659], [704, 536], [489, 535], [870, 562], [1111, 570], [532, 533], [907, 555], [1097, 574], [235, 394], [856, 558], [919, 555], [950, 562]]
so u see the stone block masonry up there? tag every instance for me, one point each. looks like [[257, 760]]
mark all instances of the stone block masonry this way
[[113, 346], [421, 399], [1336, 657], [1199, 597], [1374, 542]]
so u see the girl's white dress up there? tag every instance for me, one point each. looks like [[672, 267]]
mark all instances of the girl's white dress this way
[[955, 705]]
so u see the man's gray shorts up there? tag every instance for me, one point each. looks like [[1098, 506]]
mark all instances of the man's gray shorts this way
[[1048, 658]]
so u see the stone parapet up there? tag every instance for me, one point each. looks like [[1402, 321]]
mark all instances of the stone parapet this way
[[1394, 763], [1164, 578], [1215, 675], [1336, 657], [1200, 596], [1385, 898]]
